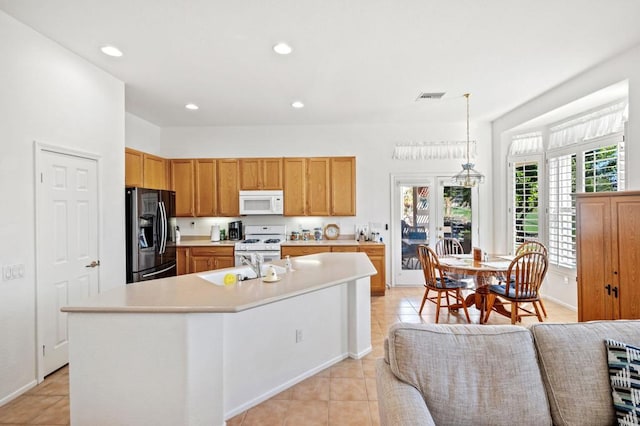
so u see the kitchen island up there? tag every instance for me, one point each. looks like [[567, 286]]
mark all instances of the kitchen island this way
[[182, 350]]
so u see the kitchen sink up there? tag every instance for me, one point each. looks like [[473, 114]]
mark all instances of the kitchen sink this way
[[244, 273]]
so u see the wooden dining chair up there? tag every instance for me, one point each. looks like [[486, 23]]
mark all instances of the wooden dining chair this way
[[526, 272], [534, 246], [448, 246], [436, 280]]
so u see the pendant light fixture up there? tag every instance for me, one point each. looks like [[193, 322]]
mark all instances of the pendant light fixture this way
[[468, 176]]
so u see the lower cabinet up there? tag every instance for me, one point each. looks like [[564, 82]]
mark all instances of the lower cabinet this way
[[377, 257], [182, 260], [200, 259], [376, 253]]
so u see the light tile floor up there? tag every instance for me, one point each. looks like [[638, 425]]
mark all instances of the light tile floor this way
[[344, 394]]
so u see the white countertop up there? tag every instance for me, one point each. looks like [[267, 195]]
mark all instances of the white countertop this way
[[190, 293], [329, 243]]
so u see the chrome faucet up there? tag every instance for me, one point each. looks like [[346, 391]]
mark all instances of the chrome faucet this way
[[255, 263]]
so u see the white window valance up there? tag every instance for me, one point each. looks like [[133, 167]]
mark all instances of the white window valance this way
[[529, 143], [595, 124], [434, 150]]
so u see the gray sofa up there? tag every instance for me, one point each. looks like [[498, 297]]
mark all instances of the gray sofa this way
[[438, 374]]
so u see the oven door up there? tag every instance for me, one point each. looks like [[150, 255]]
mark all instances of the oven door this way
[[268, 256]]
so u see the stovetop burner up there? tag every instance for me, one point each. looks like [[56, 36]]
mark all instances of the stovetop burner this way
[[251, 241], [272, 241]]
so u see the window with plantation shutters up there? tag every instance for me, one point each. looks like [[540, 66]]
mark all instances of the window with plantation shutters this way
[[604, 168], [562, 210], [525, 202]]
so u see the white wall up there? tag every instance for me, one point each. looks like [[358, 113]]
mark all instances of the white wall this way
[[625, 66], [371, 144], [52, 96], [141, 134]]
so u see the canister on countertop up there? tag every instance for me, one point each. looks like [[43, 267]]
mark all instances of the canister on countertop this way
[[306, 235], [317, 234], [295, 235]]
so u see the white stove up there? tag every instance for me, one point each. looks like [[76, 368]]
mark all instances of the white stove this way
[[261, 239]]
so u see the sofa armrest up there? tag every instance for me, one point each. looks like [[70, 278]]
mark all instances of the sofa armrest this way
[[399, 404]]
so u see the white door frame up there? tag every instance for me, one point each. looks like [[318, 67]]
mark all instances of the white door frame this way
[[437, 181], [39, 148]]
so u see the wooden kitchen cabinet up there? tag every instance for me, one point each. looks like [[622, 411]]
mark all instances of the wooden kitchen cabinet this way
[[375, 252], [155, 172], [145, 170], [133, 168], [319, 186], [608, 259], [294, 251], [343, 186], [182, 182], [261, 173], [294, 170], [207, 258], [377, 257], [206, 192], [228, 187], [318, 181], [182, 260]]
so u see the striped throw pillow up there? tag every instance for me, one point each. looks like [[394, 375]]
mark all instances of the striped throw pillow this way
[[624, 373]]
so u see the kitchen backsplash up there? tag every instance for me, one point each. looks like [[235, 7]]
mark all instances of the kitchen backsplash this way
[[201, 226]]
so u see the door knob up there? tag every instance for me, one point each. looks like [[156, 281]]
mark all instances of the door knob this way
[[93, 264]]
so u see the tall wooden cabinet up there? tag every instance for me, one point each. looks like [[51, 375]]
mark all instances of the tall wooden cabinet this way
[[343, 186], [608, 255], [228, 187]]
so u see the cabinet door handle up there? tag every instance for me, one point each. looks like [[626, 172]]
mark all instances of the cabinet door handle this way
[[615, 292], [608, 287]]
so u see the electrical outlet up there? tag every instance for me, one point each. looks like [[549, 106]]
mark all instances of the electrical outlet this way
[[298, 335], [6, 272]]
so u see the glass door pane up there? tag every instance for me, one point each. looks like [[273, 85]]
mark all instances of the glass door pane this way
[[457, 217], [414, 223]]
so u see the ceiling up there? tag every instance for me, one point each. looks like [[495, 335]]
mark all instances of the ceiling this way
[[354, 61]]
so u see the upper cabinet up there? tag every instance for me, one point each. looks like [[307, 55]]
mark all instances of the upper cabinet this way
[[228, 187], [320, 186], [205, 187], [206, 191], [260, 173], [343, 186], [155, 172], [145, 170], [182, 182]]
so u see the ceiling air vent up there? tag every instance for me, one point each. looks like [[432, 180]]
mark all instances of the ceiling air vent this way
[[430, 96]]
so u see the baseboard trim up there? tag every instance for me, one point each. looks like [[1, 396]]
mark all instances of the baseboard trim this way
[[18, 392]]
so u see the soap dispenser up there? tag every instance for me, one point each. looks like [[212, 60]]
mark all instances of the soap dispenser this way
[[215, 233]]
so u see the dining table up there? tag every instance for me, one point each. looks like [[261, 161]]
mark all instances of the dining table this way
[[484, 272]]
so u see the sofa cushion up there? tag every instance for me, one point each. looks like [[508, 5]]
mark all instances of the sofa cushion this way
[[573, 363], [471, 374], [624, 373]]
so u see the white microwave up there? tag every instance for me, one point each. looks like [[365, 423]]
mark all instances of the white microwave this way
[[261, 202]]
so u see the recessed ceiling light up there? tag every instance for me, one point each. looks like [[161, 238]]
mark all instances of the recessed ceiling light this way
[[192, 107], [297, 104], [282, 48], [111, 51]]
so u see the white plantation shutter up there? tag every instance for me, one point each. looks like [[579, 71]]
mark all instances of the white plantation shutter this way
[[525, 201], [562, 210]]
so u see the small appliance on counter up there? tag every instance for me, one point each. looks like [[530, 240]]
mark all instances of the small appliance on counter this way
[[215, 233], [235, 230]]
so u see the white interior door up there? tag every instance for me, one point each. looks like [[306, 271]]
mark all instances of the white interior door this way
[[67, 246]]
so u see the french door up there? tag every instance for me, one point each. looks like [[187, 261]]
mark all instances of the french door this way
[[426, 209]]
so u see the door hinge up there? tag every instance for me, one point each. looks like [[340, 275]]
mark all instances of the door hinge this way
[[41, 177], [42, 350]]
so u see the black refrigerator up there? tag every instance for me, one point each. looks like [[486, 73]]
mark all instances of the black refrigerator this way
[[150, 234]]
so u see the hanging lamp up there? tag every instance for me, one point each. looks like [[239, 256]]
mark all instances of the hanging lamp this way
[[468, 177]]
